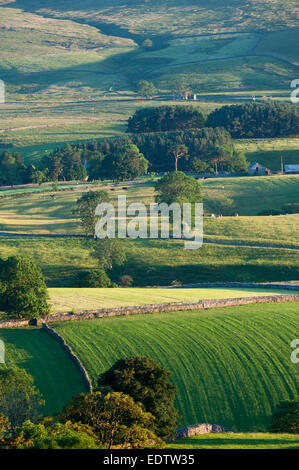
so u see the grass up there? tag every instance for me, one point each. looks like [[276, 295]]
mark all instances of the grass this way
[[88, 299], [39, 213], [60, 61], [231, 366], [269, 152], [157, 262], [238, 441], [54, 373]]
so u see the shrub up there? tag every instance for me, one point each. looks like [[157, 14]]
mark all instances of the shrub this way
[[95, 278]]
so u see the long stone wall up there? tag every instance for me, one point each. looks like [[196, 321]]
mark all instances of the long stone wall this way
[[156, 308], [70, 353]]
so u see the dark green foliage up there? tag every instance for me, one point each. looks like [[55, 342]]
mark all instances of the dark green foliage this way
[[86, 208], [178, 187], [125, 164], [109, 253], [12, 169], [95, 278], [23, 289], [64, 164], [19, 399], [147, 382], [257, 120], [146, 88], [286, 418], [166, 118]]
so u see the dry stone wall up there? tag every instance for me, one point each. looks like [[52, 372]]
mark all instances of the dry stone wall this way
[[156, 308], [70, 353]]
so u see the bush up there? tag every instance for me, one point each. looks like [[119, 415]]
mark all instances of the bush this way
[[286, 418], [95, 278]]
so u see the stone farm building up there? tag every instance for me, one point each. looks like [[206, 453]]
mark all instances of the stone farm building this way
[[256, 169]]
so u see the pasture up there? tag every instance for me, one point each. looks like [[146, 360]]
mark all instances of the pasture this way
[[40, 213], [77, 79], [55, 375], [230, 365], [74, 299], [238, 441], [157, 262]]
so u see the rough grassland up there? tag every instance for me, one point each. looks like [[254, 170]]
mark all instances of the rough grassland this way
[[238, 441], [231, 366], [75, 299], [55, 375]]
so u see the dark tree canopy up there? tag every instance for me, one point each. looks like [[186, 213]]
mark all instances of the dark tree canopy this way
[[19, 398], [166, 118], [254, 120], [23, 289], [125, 164], [285, 419], [147, 382]]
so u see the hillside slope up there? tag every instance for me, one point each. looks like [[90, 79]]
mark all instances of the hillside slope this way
[[231, 366]]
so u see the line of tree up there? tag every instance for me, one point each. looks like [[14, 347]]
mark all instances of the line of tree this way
[[197, 150], [255, 120], [166, 118], [60, 165]]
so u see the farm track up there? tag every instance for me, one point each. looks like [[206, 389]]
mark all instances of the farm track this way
[[206, 242]]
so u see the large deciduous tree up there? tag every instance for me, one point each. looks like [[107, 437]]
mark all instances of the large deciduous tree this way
[[23, 289], [178, 187], [114, 418], [86, 209], [148, 382]]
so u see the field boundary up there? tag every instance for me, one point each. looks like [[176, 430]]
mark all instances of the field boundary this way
[[150, 308], [70, 353]]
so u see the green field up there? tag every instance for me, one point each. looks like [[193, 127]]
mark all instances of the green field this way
[[39, 213], [55, 375], [86, 298], [231, 366], [157, 262], [269, 152], [238, 441], [71, 71]]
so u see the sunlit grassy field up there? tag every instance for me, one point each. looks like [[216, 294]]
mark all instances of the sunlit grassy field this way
[[231, 366], [157, 262], [238, 441], [88, 299], [39, 213]]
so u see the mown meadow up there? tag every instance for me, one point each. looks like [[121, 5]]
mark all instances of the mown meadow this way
[[230, 365]]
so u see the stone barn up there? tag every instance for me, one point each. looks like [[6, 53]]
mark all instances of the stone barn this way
[[256, 169]]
